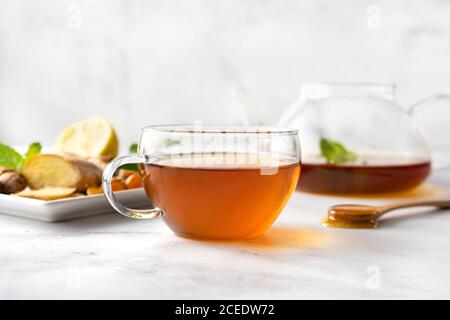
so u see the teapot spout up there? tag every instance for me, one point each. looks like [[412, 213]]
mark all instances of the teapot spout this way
[[241, 104], [248, 114], [246, 109], [292, 110]]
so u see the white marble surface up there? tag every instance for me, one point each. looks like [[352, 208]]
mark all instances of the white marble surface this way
[[112, 257]]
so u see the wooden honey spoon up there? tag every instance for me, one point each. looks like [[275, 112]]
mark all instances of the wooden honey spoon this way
[[366, 216]]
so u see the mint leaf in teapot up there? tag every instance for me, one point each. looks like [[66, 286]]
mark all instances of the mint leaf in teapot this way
[[335, 153]]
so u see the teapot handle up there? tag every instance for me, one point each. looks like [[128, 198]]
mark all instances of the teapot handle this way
[[427, 101]]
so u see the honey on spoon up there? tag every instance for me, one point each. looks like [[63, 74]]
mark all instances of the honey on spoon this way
[[361, 216]]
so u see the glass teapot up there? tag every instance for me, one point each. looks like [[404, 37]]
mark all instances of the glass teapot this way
[[356, 139]]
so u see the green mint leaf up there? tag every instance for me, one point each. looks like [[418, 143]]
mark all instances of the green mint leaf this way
[[33, 150], [130, 166], [134, 148], [326, 149], [10, 158], [335, 153]]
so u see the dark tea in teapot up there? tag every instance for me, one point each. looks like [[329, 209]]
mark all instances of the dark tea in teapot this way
[[371, 174]]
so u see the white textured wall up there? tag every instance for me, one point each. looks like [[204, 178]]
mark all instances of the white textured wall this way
[[143, 62]]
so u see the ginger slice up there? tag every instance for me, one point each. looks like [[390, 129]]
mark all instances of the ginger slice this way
[[62, 171], [48, 193]]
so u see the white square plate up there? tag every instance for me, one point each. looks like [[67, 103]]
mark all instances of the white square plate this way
[[70, 208]]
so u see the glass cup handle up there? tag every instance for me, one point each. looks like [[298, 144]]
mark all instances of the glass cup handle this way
[[108, 174]]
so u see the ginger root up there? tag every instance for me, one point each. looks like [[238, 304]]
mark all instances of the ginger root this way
[[11, 181], [100, 162], [62, 171]]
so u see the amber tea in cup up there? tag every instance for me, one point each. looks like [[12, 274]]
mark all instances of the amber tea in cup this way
[[215, 199], [214, 182]]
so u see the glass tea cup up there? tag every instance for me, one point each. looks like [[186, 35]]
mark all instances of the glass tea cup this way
[[213, 182]]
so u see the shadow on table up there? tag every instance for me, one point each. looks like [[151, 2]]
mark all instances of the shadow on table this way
[[94, 223], [424, 190], [280, 238], [290, 237]]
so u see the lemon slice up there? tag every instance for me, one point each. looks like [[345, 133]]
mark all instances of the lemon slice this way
[[93, 137]]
